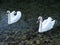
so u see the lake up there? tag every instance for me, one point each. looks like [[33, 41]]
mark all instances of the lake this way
[[25, 31]]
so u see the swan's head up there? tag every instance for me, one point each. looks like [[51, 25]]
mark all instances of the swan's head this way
[[39, 19], [8, 11]]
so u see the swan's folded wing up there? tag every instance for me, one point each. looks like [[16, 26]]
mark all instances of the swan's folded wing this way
[[48, 26], [47, 20], [12, 14], [17, 17], [52, 24]]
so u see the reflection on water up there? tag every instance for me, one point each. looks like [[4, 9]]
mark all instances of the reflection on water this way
[[3, 21]]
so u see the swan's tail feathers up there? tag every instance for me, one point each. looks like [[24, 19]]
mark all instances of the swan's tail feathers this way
[[53, 22]]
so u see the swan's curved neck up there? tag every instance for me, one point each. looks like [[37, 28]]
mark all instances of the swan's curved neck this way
[[40, 25], [9, 17]]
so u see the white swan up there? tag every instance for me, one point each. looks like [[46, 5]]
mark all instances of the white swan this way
[[12, 18], [46, 24]]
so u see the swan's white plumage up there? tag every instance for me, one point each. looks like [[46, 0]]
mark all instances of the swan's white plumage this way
[[45, 21], [13, 18], [46, 25]]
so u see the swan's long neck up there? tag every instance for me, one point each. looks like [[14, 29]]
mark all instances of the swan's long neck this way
[[9, 16], [40, 24]]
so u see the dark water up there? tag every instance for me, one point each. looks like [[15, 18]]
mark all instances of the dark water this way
[[30, 11]]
